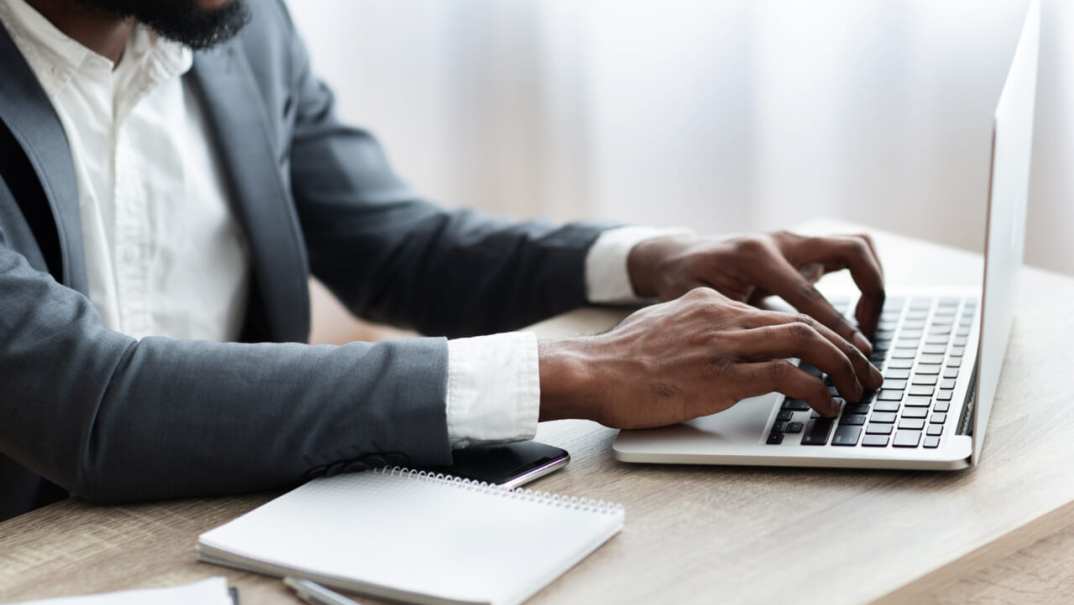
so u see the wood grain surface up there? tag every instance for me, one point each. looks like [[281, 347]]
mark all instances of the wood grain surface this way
[[1000, 533]]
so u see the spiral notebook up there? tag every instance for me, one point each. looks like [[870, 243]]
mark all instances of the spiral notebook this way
[[417, 537]]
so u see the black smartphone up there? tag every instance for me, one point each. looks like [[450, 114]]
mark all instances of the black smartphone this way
[[509, 465]]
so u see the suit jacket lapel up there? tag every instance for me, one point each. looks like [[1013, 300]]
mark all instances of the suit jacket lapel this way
[[262, 202], [27, 112]]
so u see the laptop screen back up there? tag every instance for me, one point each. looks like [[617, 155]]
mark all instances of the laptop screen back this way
[[1011, 151]]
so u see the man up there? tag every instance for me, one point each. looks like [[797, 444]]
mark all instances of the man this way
[[171, 173]]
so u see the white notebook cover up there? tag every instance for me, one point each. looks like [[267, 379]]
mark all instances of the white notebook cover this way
[[411, 536]]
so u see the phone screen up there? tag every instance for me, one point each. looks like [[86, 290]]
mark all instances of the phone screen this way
[[509, 465]]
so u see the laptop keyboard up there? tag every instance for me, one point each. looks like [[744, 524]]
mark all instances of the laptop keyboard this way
[[919, 345]]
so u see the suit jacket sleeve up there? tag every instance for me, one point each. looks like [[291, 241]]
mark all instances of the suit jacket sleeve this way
[[113, 419], [392, 257]]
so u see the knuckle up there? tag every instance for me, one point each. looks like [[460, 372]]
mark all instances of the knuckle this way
[[858, 247], [752, 246], [848, 368], [700, 293], [780, 371], [800, 333], [805, 319]]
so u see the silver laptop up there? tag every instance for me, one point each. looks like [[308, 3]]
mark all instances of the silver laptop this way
[[941, 350]]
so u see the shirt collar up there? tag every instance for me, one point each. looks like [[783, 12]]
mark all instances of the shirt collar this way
[[64, 56]]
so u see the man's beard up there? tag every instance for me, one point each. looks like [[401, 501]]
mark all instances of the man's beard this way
[[183, 21]]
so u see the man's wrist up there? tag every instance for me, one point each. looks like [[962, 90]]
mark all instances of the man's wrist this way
[[564, 379], [646, 262]]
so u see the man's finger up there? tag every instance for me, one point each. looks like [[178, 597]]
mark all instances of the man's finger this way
[[797, 339], [856, 253], [785, 281], [867, 374], [752, 379]]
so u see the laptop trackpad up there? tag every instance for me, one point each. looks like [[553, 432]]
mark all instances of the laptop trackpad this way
[[741, 426], [742, 423]]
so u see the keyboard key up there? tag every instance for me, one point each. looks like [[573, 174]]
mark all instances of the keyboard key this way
[[852, 420], [875, 441], [907, 438], [898, 374], [910, 334], [775, 438], [935, 430], [915, 413], [927, 371], [889, 396], [886, 406], [785, 415], [796, 405], [878, 429], [950, 373], [954, 362], [922, 389], [856, 408], [817, 431], [792, 427], [934, 349], [937, 340], [913, 424], [948, 383], [938, 418], [959, 341], [958, 351], [885, 417], [896, 385], [930, 360], [901, 353], [924, 379], [901, 364], [932, 442], [941, 406], [944, 395], [846, 436], [917, 401]]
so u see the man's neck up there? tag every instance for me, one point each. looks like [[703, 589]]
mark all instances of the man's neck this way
[[104, 34]]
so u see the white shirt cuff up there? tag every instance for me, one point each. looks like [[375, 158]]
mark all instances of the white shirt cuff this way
[[607, 278], [493, 390]]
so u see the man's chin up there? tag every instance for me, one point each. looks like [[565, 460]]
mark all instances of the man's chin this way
[[198, 24]]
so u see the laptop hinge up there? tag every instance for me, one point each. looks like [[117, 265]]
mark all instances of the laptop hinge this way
[[969, 410]]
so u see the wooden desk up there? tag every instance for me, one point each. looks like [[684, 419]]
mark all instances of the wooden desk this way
[[1000, 532]]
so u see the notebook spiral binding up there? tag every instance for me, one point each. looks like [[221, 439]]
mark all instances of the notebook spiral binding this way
[[528, 495]]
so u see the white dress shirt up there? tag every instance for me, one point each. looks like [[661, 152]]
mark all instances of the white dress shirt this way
[[164, 253]]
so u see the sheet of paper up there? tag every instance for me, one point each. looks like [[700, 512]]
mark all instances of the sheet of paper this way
[[212, 591]]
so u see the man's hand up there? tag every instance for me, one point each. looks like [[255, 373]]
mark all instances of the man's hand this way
[[695, 356], [749, 268]]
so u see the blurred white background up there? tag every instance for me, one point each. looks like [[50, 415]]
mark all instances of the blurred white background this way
[[727, 115]]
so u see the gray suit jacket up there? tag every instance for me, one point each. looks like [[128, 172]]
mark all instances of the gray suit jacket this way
[[97, 414]]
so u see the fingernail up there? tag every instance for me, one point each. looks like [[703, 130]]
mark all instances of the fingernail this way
[[876, 375], [862, 343]]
